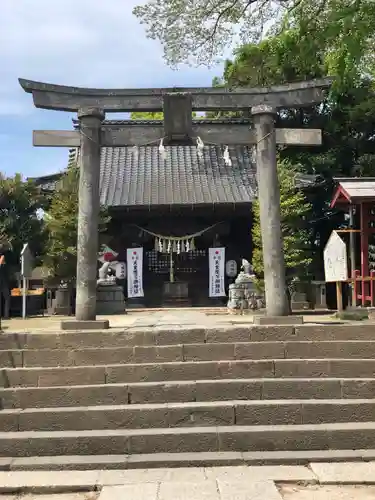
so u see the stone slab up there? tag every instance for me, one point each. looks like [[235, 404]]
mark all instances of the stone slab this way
[[188, 391], [204, 490], [260, 473], [93, 495], [102, 324], [190, 439], [264, 490], [155, 475], [278, 320], [5, 464], [189, 460], [298, 457], [140, 476], [145, 491], [69, 462], [60, 496], [327, 492], [176, 460], [257, 350], [47, 481], [344, 473]]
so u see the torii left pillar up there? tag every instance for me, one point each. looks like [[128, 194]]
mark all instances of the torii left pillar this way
[[88, 212], [90, 121]]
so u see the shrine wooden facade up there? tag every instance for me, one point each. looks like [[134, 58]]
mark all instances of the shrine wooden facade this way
[[185, 193]]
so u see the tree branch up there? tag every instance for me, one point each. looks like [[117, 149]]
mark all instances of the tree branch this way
[[211, 36]]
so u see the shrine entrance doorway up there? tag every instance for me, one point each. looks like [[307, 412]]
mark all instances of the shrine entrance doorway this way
[[190, 278]]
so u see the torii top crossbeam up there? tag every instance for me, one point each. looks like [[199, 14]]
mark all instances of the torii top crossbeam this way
[[66, 98]]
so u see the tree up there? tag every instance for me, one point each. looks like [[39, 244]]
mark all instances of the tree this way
[[294, 226], [20, 221], [199, 31], [347, 118], [62, 225]]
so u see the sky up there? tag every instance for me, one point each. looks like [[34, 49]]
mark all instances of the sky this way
[[88, 43]]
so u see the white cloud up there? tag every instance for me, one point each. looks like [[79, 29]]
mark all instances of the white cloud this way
[[85, 42], [94, 43]]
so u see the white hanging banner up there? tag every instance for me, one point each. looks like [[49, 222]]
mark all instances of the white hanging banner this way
[[217, 272], [135, 272]]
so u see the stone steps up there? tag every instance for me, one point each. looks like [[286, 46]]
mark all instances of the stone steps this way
[[193, 370], [187, 391], [172, 460], [28, 358], [187, 396], [137, 336], [192, 414], [339, 436]]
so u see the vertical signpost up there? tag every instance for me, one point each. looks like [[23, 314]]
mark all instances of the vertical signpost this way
[[336, 265], [2, 263], [26, 271]]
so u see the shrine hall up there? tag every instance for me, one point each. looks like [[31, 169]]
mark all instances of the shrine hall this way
[[176, 208]]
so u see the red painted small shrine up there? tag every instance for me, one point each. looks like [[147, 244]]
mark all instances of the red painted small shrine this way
[[357, 195]]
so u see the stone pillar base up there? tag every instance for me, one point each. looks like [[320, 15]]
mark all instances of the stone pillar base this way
[[61, 304], [110, 300], [278, 320], [135, 304], [74, 324], [300, 306]]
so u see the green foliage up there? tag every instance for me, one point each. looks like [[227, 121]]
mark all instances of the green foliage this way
[[20, 203], [346, 117], [199, 31], [295, 231], [346, 28], [281, 59], [144, 115], [62, 225]]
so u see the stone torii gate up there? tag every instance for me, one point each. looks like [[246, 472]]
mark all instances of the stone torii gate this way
[[178, 127]]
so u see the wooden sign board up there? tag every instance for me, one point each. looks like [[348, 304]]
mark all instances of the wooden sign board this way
[[335, 259]]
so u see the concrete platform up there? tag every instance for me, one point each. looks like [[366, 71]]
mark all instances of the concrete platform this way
[[162, 318]]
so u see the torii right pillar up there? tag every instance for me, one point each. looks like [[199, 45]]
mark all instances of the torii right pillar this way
[[277, 303]]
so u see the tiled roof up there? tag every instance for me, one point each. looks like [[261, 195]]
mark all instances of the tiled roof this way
[[358, 187], [144, 178]]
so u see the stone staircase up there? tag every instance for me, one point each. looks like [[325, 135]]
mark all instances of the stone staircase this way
[[185, 396]]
